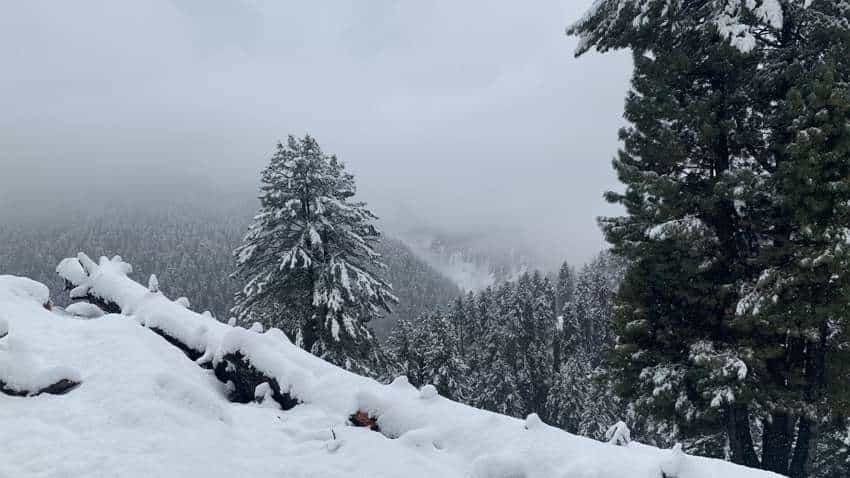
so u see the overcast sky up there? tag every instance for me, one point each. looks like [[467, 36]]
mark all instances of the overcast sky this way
[[457, 114]]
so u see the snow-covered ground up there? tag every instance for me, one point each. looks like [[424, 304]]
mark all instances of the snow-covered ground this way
[[144, 409]]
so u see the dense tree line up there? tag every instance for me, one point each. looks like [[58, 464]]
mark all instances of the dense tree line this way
[[534, 345], [187, 246]]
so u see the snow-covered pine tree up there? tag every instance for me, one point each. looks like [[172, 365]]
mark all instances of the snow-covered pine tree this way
[[690, 125], [592, 305], [446, 369], [427, 353], [832, 455], [309, 253], [534, 332], [479, 321], [562, 302], [750, 201], [407, 346], [564, 287], [570, 394], [497, 382], [581, 399], [801, 210], [457, 317], [636, 24]]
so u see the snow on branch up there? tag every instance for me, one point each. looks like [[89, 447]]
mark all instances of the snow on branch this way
[[609, 24]]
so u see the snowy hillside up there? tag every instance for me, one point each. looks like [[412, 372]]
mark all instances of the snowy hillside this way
[[143, 408]]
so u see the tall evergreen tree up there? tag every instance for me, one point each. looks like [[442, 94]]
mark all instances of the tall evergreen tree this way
[[310, 253], [564, 287], [499, 384], [562, 303], [591, 307], [801, 210], [458, 318], [581, 399], [735, 168], [535, 324], [427, 353]]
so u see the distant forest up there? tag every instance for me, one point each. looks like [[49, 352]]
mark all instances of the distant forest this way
[[189, 247]]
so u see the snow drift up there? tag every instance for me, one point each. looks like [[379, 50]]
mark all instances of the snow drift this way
[[145, 409]]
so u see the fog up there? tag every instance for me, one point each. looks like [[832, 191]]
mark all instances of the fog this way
[[470, 117]]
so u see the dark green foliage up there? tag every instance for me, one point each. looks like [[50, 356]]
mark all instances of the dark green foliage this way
[[731, 319], [804, 287], [690, 123], [832, 454]]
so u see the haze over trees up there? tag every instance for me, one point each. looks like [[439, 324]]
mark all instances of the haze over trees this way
[[188, 243], [715, 325]]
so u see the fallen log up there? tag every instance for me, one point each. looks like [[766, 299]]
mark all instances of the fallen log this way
[[193, 354], [21, 374], [61, 387], [243, 380], [106, 285]]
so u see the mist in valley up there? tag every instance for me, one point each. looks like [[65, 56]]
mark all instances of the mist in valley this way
[[463, 123], [441, 300]]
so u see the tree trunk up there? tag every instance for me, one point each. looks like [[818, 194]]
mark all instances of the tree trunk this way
[[801, 462], [557, 310], [461, 339], [776, 444], [807, 431], [740, 439], [309, 331], [556, 352], [309, 326]]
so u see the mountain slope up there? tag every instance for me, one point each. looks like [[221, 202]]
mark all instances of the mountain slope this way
[[189, 248], [419, 287], [144, 409]]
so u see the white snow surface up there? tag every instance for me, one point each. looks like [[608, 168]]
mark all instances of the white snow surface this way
[[24, 288], [71, 270], [84, 310], [144, 409], [21, 369]]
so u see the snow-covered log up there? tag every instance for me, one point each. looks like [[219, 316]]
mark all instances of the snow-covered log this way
[[20, 373], [84, 310], [246, 382], [456, 439], [59, 387], [197, 335], [74, 274]]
